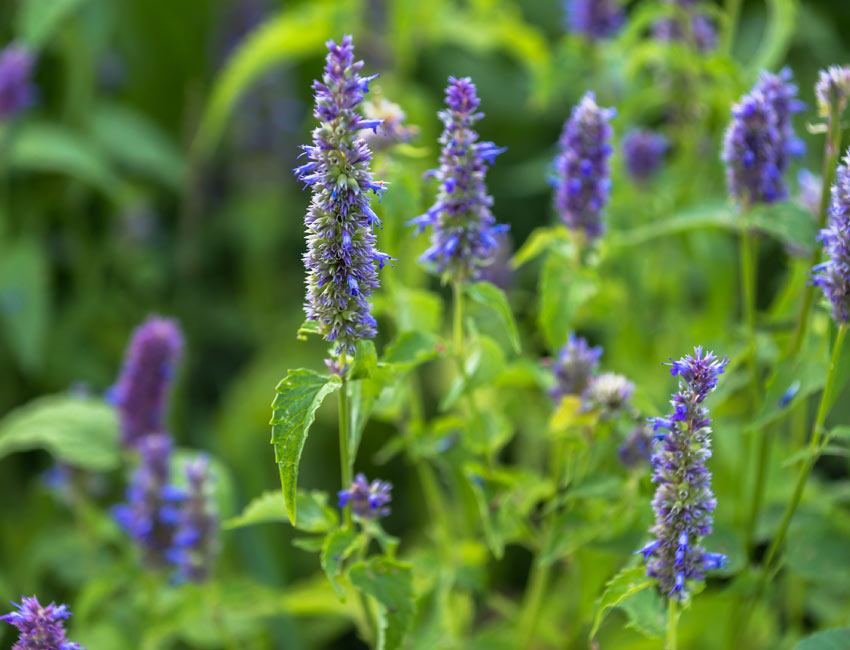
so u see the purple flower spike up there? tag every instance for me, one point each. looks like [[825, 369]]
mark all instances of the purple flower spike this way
[[152, 511], [368, 501], [17, 91], [595, 19], [577, 362], [684, 501], [41, 627], [583, 176], [833, 274], [341, 258], [833, 89], [644, 152], [149, 367], [196, 538], [696, 26], [464, 235]]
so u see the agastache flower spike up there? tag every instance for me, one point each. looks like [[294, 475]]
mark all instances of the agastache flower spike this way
[[684, 501], [41, 627], [595, 19], [582, 174], [781, 95], [152, 511], [577, 362], [643, 152], [196, 538], [341, 258], [464, 232], [833, 274], [142, 389], [17, 91], [368, 501], [833, 89], [700, 27]]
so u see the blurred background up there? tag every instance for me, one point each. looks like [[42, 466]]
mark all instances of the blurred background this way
[[152, 174]]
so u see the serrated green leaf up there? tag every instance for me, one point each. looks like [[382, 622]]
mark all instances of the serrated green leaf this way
[[645, 613], [494, 299], [25, 301], [837, 639], [390, 583], [338, 545], [314, 515], [626, 583], [82, 432], [299, 395]]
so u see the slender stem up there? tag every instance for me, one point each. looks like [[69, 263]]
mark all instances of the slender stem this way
[[733, 13], [457, 290], [538, 581], [830, 159], [672, 624], [748, 298], [758, 489], [344, 455]]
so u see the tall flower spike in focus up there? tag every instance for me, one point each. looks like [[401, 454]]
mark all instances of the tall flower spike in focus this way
[[684, 502], [17, 91], [577, 362], [141, 392], [368, 501], [463, 239], [833, 274], [196, 539], [41, 627], [595, 19], [582, 172], [341, 257], [152, 511]]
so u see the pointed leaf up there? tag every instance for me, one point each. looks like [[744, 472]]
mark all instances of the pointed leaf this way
[[390, 583], [314, 515], [626, 583], [494, 299], [338, 545], [837, 639]]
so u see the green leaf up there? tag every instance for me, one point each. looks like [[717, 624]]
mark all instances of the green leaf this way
[[626, 583], [837, 639], [299, 395], [645, 613], [390, 583], [338, 545], [37, 20], [494, 299], [314, 515], [136, 143], [82, 432], [365, 361], [781, 26], [307, 327], [817, 551], [563, 290], [538, 242], [25, 301], [411, 349], [483, 361]]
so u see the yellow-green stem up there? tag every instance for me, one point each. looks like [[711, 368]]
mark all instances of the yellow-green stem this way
[[733, 13], [345, 462], [457, 290], [672, 624]]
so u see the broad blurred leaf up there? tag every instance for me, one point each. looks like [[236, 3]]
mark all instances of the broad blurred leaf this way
[[338, 545], [24, 301], [37, 20], [645, 612], [817, 551], [299, 395], [390, 583], [82, 432], [314, 515], [411, 348], [626, 583], [494, 299], [483, 361], [781, 23], [837, 639], [564, 288]]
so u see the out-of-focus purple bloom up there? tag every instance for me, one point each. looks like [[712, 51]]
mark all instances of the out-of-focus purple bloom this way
[[368, 501], [41, 627], [781, 95], [500, 272], [196, 539], [789, 394], [463, 238], [832, 90], [595, 19], [341, 258], [810, 187], [608, 393], [582, 172], [392, 130], [644, 152], [17, 91], [833, 274], [684, 502], [576, 364], [141, 393], [695, 25], [637, 447], [152, 511]]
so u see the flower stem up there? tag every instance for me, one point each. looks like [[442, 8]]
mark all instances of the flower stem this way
[[672, 624], [758, 488], [457, 291], [733, 13], [538, 581], [345, 461], [748, 299]]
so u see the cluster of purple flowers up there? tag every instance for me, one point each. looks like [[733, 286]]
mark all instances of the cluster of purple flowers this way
[[141, 393], [643, 152], [595, 19], [760, 140], [41, 627], [833, 274], [689, 26], [684, 502], [392, 130], [464, 229], [832, 89], [195, 540], [17, 92], [637, 447], [367, 500], [582, 171], [341, 257]]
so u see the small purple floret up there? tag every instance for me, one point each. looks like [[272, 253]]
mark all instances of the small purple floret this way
[[368, 501], [17, 91], [833, 274], [41, 627], [595, 19], [577, 363]]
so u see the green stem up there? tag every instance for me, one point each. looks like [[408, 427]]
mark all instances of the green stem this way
[[344, 454], [733, 14], [457, 291], [758, 489], [830, 159], [538, 581], [672, 624], [748, 298]]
